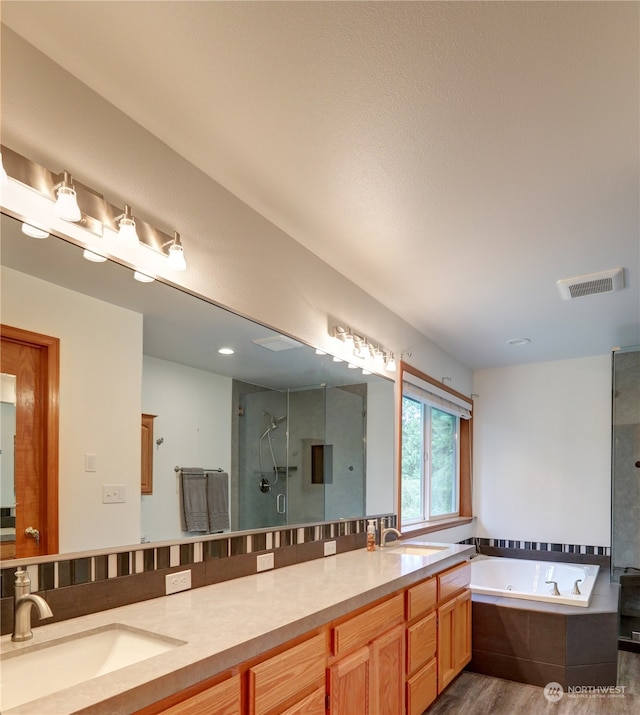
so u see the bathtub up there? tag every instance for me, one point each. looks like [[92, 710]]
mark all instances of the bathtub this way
[[521, 578]]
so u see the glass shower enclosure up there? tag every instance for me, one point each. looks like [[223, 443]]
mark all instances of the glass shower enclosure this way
[[625, 500]]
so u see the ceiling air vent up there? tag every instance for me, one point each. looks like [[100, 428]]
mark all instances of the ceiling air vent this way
[[591, 284]]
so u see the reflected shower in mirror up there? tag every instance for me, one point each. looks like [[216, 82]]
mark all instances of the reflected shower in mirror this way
[[260, 413]]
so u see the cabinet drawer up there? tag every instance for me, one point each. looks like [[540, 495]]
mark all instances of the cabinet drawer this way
[[222, 699], [421, 642], [454, 580], [361, 629], [422, 598], [313, 704], [276, 680], [422, 689]]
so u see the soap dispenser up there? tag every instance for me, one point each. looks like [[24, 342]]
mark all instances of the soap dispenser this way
[[371, 535]]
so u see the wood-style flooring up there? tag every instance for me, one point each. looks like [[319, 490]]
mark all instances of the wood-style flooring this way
[[474, 694]]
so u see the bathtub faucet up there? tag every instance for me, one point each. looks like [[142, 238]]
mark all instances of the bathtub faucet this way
[[554, 590]]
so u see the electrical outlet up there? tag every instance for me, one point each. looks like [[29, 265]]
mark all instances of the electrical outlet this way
[[264, 562], [179, 581], [329, 548]]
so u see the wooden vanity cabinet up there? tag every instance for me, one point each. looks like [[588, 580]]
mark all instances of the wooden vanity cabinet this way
[[391, 658], [366, 675], [454, 623]]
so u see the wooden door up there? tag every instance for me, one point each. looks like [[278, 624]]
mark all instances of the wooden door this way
[[348, 683], [387, 673], [34, 360]]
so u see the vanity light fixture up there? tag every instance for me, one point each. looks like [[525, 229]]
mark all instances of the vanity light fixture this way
[[176, 254], [34, 231], [127, 234], [93, 257], [143, 277], [66, 206], [88, 209], [360, 347]]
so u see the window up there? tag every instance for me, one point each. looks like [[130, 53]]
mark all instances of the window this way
[[433, 422]]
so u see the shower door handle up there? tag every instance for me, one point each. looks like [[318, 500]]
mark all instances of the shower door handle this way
[[281, 503]]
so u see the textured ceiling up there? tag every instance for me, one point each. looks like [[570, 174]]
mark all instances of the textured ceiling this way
[[453, 159]]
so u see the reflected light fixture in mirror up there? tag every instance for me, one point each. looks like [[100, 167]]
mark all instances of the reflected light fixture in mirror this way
[[66, 206], [143, 277], [93, 257], [34, 231]]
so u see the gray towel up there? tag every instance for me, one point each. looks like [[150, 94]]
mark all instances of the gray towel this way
[[193, 491], [218, 500]]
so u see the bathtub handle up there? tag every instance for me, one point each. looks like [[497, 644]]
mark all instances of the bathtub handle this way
[[576, 591], [554, 590]]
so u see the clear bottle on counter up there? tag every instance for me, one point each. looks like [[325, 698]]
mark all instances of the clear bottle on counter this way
[[371, 535]]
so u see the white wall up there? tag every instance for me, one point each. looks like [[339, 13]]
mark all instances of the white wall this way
[[381, 492], [233, 252], [193, 409], [100, 388], [542, 450]]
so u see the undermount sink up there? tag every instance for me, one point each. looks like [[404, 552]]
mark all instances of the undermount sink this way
[[413, 549], [43, 669]]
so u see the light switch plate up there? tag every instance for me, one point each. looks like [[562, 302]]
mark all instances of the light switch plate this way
[[114, 494]]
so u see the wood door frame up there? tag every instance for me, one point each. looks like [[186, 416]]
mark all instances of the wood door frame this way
[[50, 412]]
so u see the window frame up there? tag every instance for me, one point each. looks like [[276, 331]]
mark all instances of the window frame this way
[[463, 514]]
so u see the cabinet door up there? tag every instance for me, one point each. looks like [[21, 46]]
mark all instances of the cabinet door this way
[[348, 683], [462, 631], [446, 644], [387, 673], [222, 699]]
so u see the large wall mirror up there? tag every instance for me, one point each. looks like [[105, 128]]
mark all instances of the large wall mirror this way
[[302, 438]]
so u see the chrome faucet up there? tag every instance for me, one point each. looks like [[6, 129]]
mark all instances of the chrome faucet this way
[[383, 535], [554, 590], [23, 601], [576, 591]]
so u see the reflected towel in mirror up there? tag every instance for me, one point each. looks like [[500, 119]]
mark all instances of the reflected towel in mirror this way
[[193, 495], [218, 500]]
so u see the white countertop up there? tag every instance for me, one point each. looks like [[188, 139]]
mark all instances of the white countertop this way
[[227, 623]]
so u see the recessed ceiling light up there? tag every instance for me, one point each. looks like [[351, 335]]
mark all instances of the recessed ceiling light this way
[[226, 351], [93, 257], [519, 341], [143, 277]]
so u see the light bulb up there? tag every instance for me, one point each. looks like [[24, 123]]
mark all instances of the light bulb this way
[[34, 231], [66, 206], [93, 257], [176, 255], [391, 364], [127, 235], [143, 277]]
